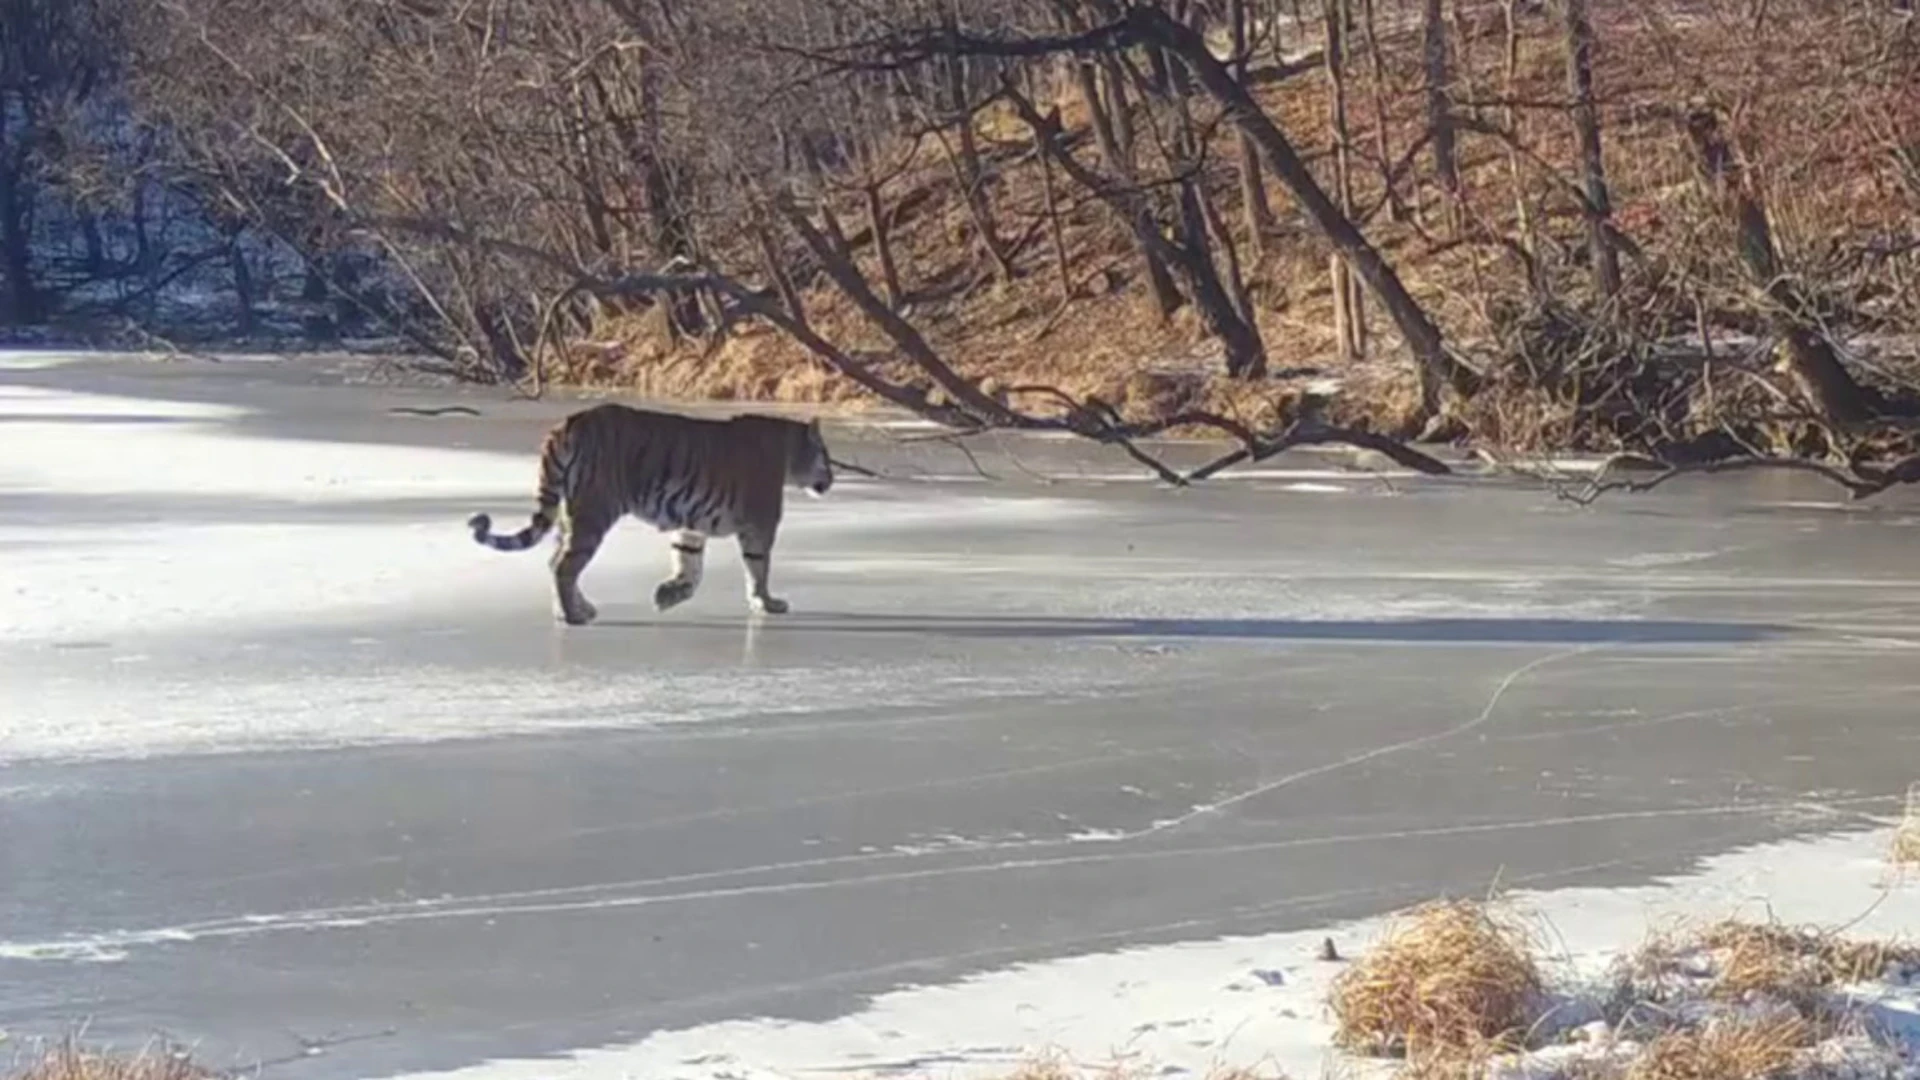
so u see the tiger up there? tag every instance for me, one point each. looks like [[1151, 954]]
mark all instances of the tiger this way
[[696, 478]]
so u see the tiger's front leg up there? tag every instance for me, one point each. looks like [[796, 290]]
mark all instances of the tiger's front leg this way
[[689, 555], [756, 551]]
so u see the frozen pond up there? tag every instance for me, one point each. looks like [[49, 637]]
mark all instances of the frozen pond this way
[[284, 756]]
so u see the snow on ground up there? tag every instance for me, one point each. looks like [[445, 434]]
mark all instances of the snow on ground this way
[[1259, 1002]]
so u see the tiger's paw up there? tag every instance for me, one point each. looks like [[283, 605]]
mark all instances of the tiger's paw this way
[[580, 614], [672, 593], [767, 605]]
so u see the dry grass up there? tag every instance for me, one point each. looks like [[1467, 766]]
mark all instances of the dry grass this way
[[1735, 1049], [68, 1060], [1776, 960], [1905, 849], [1454, 981], [1748, 961]]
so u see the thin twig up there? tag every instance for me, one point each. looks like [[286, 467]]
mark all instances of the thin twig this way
[[857, 470], [1858, 486]]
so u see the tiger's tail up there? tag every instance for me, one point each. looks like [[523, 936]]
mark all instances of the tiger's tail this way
[[556, 460]]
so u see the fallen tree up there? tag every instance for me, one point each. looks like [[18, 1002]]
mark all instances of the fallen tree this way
[[975, 412]]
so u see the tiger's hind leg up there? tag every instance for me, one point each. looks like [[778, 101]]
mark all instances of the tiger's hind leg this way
[[756, 551], [689, 557], [579, 541]]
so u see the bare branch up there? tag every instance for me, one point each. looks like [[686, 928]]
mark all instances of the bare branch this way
[[1859, 484]]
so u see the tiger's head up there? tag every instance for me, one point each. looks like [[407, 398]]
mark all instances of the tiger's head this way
[[808, 466]]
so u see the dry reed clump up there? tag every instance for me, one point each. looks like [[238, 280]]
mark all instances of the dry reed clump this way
[[1743, 1048], [1905, 849], [1794, 966], [1739, 964], [67, 1060], [1454, 981]]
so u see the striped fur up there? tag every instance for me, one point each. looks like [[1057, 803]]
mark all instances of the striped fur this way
[[692, 477]]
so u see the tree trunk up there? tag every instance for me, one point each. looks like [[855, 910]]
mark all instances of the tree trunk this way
[[668, 217], [1446, 165], [1245, 353], [316, 322], [1253, 188], [1812, 363], [1383, 146], [1522, 206], [16, 250], [586, 173], [242, 286], [1593, 173], [776, 270], [142, 238], [878, 221], [96, 246], [1166, 294], [1349, 311], [1436, 364], [972, 177], [1221, 300], [1119, 107], [1056, 232]]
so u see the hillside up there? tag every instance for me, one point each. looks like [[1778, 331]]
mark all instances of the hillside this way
[[1819, 99]]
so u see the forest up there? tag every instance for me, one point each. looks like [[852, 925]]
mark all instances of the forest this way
[[1685, 232]]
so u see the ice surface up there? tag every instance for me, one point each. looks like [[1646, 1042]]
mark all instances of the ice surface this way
[[1178, 703], [159, 552], [127, 522]]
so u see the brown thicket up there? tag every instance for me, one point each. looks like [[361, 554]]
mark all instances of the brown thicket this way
[[1560, 226]]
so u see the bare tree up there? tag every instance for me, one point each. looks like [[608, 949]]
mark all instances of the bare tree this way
[[497, 181], [1253, 187], [56, 60], [1810, 358], [1446, 165], [1586, 122], [1155, 30], [1349, 304], [1103, 92]]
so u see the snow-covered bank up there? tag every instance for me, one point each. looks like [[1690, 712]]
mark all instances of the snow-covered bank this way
[[1258, 1002]]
